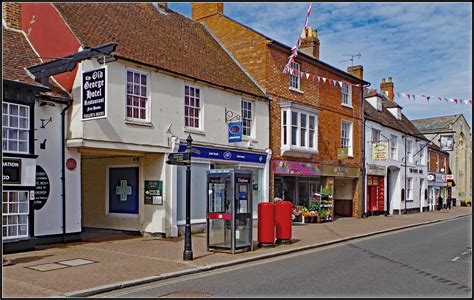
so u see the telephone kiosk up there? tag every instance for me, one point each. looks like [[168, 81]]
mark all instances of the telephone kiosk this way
[[229, 210]]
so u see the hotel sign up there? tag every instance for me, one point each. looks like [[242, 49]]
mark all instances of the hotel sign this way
[[93, 94], [380, 151]]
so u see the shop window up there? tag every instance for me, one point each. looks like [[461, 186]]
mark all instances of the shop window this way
[[15, 211], [192, 107], [137, 99], [15, 128]]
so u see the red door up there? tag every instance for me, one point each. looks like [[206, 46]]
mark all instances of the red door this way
[[375, 193]]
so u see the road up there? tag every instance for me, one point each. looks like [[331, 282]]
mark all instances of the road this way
[[429, 261]]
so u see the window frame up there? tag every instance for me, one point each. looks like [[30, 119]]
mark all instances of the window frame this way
[[350, 151], [298, 77], [147, 118], [409, 151], [394, 141], [200, 112], [251, 119], [378, 133], [19, 129], [409, 188], [8, 214], [421, 153], [287, 128], [349, 95]]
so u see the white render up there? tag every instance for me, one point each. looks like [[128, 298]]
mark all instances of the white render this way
[[397, 167], [114, 134]]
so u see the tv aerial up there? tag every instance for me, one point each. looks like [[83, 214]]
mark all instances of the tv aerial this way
[[358, 55]]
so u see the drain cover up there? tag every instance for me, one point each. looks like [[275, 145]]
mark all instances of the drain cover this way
[[76, 262]]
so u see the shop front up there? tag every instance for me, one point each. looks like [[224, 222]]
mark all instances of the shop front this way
[[436, 188], [296, 182], [207, 158], [375, 189]]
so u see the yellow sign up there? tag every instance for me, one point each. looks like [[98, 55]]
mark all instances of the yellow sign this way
[[342, 153], [379, 151]]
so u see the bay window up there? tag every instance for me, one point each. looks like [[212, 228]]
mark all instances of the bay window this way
[[298, 127]]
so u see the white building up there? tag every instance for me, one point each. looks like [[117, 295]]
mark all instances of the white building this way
[[389, 138], [169, 78]]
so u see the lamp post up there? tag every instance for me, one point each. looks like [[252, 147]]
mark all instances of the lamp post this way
[[188, 249]]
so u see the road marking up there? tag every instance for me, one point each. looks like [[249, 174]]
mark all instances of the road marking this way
[[464, 253], [456, 258]]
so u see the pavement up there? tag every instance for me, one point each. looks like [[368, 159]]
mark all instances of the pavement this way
[[101, 265]]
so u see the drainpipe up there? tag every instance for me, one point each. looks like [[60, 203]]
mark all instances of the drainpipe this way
[[363, 152], [63, 172]]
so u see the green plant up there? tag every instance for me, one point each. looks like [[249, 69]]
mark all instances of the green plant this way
[[313, 206]]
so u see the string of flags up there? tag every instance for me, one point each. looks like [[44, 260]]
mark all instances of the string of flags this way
[[414, 97], [294, 50], [313, 77]]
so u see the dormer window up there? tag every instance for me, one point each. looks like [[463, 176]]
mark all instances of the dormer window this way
[[399, 114]]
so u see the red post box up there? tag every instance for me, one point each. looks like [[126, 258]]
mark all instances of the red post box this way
[[283, 211], [266, 224]]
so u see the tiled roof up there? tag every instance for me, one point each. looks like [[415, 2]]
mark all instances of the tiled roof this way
[[166, 40], [427, 124], [18, 55], [386, 118]]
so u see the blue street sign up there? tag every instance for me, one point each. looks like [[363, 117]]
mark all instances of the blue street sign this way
[[234, 130]]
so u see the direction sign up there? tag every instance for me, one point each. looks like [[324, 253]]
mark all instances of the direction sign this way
[[179, 159]]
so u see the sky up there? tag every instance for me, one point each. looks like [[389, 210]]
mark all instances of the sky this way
[[425, 47]]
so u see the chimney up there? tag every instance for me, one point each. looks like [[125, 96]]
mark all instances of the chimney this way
[[310, 42], [205, 9], [356, 71], [387, 87], [11, 13], [163, 4]]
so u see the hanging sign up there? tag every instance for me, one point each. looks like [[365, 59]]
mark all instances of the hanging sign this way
[[234, 132], [11, 171], [93, 94], [42, 188], [446, 142], [380, 151]]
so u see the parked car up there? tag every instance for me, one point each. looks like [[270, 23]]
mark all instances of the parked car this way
[[466, 202]]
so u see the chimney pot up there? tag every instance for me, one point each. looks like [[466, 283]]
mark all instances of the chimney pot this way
[[390, 79], [387, 88], [310, 42]]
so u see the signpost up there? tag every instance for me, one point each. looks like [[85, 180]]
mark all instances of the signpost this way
[[184, 159]]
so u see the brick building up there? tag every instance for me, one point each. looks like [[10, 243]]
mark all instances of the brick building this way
[[309, 120]]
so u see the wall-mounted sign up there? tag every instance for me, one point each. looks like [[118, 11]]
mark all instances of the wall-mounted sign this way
[[42, 188], [342, 153], [11, 171], [327, 170], [380, 151], [234, 130], [431, 177], [285, 167], [446, 142], [375, 170], [227, 155], [93, 90], [71, 164], [154, 192]]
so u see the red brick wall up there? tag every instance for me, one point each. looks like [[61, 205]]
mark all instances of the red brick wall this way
[[432, 166], [11, 14]]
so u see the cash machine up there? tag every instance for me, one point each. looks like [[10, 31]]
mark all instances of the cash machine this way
[[229, 210]]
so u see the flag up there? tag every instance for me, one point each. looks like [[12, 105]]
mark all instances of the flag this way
[[330, 80], [340, 83], [334, 82], [428, 98], [324, 79], [313, 77], [319, 78], [307, 75], [408, 96]]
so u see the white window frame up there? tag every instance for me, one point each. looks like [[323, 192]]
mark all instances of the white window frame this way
[[8, 130], [376, 133], [409, 188], [295, 66], [409, 151], [289, 108], [346, 96], [244, 118], [350, 139], [421, 153], [7, 214], [147, 118], [200, 113], [393, 147]]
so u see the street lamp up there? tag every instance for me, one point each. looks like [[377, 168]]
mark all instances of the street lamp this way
[[188, 249]]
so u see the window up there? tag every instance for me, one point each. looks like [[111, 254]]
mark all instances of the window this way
[[409, 188], [428, 160], [409, 151], [15, 214], [295, 79], [437, 162], [422, 154], [137, 100], [346, 94], [346, 136], [445, 166], [393, 147], [246, 118], [375, 135], [299, 128], [15, 128], [192, 106]]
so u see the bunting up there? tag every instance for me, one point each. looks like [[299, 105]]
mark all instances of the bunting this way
[[422, 97]]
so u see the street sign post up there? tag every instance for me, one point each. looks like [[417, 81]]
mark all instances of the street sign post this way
[[182, 159]]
